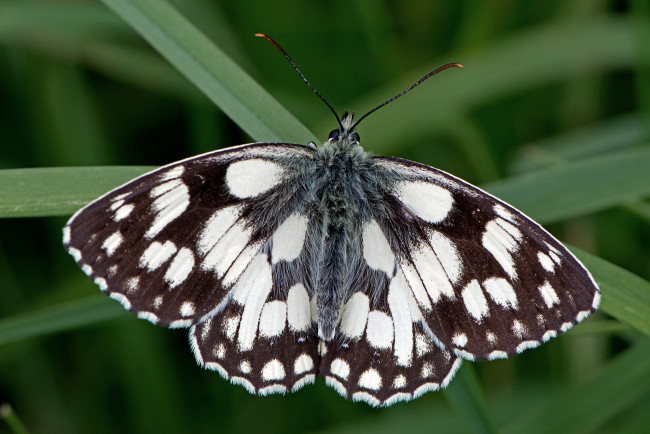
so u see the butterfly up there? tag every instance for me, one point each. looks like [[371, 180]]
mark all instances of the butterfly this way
[[290, 261]]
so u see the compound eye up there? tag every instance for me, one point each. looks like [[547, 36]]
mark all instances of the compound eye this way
[[355, 137], [334, 134]]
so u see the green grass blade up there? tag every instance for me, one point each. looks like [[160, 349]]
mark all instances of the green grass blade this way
[[58, 318], [58, 191], [585, 407], [626, 296], [465, 396], [606, 136], [579, 188], [212, 71]]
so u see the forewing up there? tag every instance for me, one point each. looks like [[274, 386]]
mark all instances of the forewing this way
[[490, 282], [171, 244]]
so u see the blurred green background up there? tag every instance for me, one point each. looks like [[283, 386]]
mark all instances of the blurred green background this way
[[550, 112]]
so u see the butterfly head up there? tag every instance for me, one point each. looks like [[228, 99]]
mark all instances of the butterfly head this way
[[345, 134]]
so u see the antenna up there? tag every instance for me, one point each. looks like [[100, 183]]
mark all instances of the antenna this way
[[434, 72], [338, 119], [276, 45]]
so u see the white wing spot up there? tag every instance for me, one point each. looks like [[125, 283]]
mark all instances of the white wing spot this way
[[380, 330], [475, 301], [87, 269], [548, 294], [546, 262], [497, 355], [101, 282], [502, 212], [491, 338], [273, 370], [149, 316], [427, 370], [526, 345], [289, 238], [220, 351], [416, 285], [112, 242], [459, 339], [423, 344], [582, 315], [399, 381], [303, 363], [245, 367], [122, 299], [355, 315], [173, 198], [157, 302], [250, 178], [518, 328], [115, 205], [555, 257], [501, 239], [173, 173], [66, 235], [251, 291], [123, 212], [76, 254], [298, 308], [501, 292], [273, 318], [370, 379], [228, 249], [340, 368], [216, 227], [187, 309], [132, 284], [428, 201], [336, 385], [447, 254], [432, 273], [180, 267], [376, 250], [399, 300], [157, 254], [548, 335], [596, 302], [230, 326]]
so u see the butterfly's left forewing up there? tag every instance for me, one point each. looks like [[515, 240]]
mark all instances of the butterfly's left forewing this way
[[171, 244], [490, 282]]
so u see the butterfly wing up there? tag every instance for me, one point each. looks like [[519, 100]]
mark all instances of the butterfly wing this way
[[171, 244], [490, 282], [382, 354], [264, 337]]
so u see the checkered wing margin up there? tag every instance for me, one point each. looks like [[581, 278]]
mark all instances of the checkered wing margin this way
[[489, 281]]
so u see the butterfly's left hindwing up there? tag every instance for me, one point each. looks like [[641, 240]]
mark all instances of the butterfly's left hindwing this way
[[171, 244], [490, 282]]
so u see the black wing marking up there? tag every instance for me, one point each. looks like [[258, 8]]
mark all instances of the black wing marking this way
[[490, 281], [150, 243]]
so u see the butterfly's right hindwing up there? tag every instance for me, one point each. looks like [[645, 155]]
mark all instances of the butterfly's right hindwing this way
[[171, 244]]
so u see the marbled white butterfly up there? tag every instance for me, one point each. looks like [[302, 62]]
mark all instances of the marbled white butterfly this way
[[289, 261]]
